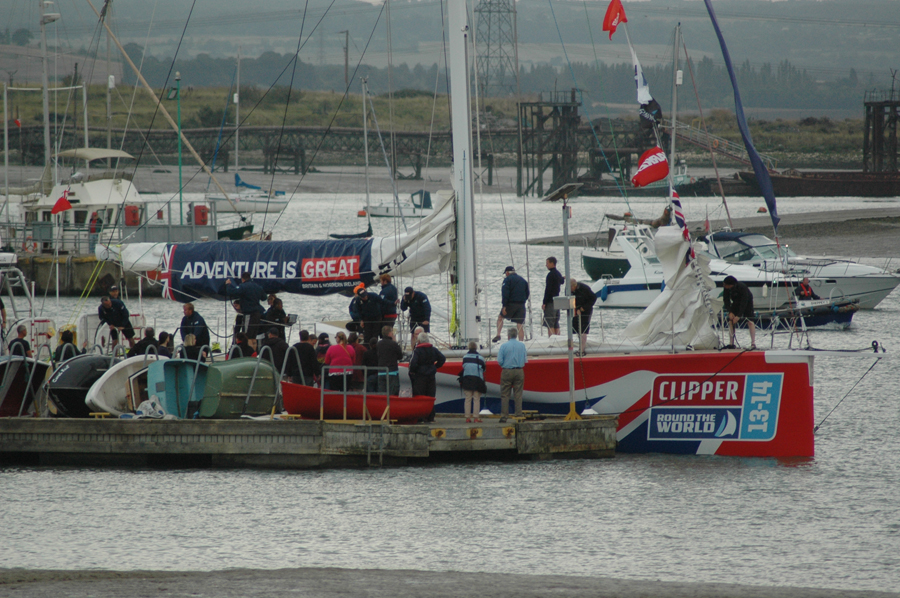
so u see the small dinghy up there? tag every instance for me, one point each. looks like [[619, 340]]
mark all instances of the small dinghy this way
[[237, 387], [20, 381], [112, 393], [307, 402], [70, 383], [178, 385]]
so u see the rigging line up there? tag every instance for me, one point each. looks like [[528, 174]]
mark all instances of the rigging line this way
[[212, 166], [390, 66], [871, 367], [712, 154], [157, 107], [387, 163], [335, 114]]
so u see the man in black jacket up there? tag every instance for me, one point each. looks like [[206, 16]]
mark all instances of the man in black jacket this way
[[739, 305], [585, 299], [419, 310], [193, 323], [554, 284], [513, 294], [308, 363], [278, 348], [114, 313], [142, 347], [370, 314]]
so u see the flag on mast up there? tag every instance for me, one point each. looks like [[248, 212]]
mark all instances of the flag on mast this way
[[678, 212], [653, 167], [615, 15], [62, 204]]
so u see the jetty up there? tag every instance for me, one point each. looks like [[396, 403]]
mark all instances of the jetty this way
[[298, 444]]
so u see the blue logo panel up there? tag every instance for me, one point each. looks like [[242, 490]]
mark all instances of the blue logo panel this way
[[762, 395], [694, 423]]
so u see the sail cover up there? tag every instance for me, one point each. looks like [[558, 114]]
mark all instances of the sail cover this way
[[320, 267], [680, 314]]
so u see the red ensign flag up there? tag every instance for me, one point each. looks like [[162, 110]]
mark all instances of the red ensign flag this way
[[615, 15], [654, 167]]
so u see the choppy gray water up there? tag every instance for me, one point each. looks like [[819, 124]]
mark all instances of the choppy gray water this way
[[831, 522]]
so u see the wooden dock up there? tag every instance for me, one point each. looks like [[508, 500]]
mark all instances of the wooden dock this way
[[296, 444]]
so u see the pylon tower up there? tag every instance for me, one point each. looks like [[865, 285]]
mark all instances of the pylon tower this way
[[497, 60]]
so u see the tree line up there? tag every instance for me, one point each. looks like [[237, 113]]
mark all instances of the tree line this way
[[779, 85]]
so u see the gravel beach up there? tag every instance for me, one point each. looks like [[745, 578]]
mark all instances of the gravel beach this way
[[373, 583]]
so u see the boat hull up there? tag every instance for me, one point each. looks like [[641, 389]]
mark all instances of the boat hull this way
[[111, 393], [232, 390], [252, 204], [599, 264], [20, 381], [831, 184], [307, 401], [178, 385], [70, 383], [750, 404]]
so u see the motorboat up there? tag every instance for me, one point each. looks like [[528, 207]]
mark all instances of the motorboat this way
[[20, 381], [178, 385], [831, 278], [68, 387], [239, 387], [118, 391], [249, 199]]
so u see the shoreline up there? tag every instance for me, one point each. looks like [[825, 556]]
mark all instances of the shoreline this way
[[335, 582]]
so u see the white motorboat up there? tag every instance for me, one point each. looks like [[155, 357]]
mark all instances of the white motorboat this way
[[250, 199], [112, 393], [830, 278]]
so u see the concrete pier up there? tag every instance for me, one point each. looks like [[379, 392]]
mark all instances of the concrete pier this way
[[296, 444]]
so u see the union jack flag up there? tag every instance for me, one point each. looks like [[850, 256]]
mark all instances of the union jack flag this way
[[165, 275], [682, 223]]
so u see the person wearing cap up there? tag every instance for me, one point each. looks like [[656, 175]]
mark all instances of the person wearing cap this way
[[250, 294], [95, 226], [419, 311], [114, 292], [193, 323], [278, 348], [739, 306], [514, 293], [114, 314]]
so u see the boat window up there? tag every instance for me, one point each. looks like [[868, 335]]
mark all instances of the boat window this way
[[80, 216], [46, 216]]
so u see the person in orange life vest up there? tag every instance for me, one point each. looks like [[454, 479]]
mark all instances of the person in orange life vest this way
[[804, 292]]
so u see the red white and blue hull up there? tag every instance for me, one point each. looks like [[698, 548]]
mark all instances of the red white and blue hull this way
[[749, 404]]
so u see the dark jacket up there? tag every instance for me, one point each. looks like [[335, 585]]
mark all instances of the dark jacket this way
[[738, 300], [116, 315], [196, 325], [66, 352], [419, 307], [805, 292], [389, 297], [276, 317], [142, 347], [514, 290], [279, 349], [309, 365], [425, 362], [370, 309], [243, 350], [250, 295], [555, 281], [389, 354], [585, 298]]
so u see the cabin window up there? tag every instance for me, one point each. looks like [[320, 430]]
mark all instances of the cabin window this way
[[80, 216], [46, 216]]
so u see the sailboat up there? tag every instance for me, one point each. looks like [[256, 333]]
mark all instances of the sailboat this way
[[670, 386]]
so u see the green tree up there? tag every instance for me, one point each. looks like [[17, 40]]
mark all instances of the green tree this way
[[22, 37]]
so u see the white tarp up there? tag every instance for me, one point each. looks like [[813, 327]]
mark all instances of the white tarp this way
[[683, 313]]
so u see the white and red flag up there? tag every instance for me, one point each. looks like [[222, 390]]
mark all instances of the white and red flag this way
[[615, 15], [654, 167], [62, 204], [682, 223]]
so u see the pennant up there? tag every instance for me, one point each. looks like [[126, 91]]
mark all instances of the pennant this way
[[18, 123], [654, 167], [706, 224], [615, 15], [643, 88], [762, 173], [62, 204]]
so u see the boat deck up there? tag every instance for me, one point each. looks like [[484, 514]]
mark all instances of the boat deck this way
[[298, 444]]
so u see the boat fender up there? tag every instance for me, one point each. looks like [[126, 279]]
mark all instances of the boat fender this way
[[662, 286], [604, 292]]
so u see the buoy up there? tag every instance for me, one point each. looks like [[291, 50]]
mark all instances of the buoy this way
[[361, 213], [761, 210], [628, 214]]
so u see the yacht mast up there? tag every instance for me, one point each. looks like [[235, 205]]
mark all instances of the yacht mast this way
[[46, 18], [462, 170], [676, 81], [365, 98]]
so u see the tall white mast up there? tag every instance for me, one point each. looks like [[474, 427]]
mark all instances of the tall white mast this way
[[365, 99], [46, 18], [237, 109], [676, 81], [462, 169]]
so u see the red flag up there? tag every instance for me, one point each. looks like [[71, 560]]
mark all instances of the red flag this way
[[654, 167], [62, 204], [615, 15], [18, 123], [706, 224]]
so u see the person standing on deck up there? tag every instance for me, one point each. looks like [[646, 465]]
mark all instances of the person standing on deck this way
[[250, 294], [305, 361], [585, 299], [512, 358], [389, 301], [472, 382], [114, 313], [193, 323], [555, 280], [514, 293], [419, 311], [739, 306], [426, 360]]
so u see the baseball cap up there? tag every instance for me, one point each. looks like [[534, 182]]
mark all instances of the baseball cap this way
[[407, 290], [114, 288], [509, 269]]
